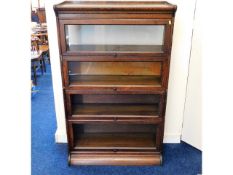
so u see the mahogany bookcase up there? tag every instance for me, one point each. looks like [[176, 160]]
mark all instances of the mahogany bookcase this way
[[115, 67]]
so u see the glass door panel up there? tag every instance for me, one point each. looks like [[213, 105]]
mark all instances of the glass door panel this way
[[115, 38], [115, 73]]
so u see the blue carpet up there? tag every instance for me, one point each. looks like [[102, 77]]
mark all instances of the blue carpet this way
[[49, 158]]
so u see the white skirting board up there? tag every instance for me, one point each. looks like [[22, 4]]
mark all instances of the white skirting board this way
[[60, 137], [172, 138]]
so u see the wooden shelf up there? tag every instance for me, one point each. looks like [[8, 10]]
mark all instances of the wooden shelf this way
[[118, 110], [116, 141], [115, 80], [116, 48]]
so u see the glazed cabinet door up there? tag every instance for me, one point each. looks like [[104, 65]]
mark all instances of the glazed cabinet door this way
[[115, 76], [116, 36], [114, 108]]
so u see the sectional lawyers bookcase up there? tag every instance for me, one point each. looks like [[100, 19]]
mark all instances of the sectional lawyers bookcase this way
[[115, 64]]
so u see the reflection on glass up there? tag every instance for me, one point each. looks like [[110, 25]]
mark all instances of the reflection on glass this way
[[115, 73], [122, 38]]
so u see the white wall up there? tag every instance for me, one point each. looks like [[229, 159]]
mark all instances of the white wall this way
[[178, 70], [60, 135], [36, 4], [191, 132]]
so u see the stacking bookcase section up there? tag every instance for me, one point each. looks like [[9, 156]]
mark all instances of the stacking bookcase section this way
[[91, 38], [114, 137], [114, 73], [131, 75], [118, 37], [115, 58], [137, 141], [133, 108]]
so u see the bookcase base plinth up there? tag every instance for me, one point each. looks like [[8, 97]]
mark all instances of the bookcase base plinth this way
[[115, 159]]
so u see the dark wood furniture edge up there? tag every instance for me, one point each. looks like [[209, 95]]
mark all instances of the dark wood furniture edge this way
[[162, 6]]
